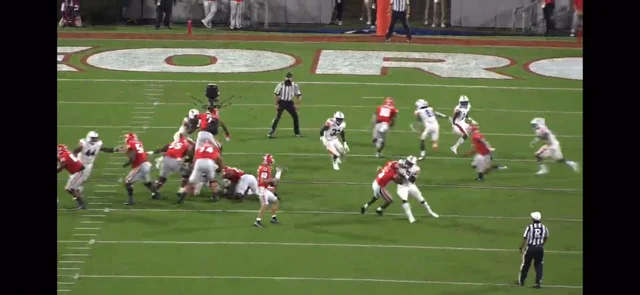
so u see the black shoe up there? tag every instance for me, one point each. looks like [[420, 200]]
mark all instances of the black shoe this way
[[479, 179], [258, 224], [168, 27], [156, 196], [275, 221], [181, 197], [519, 283], [380, 212], [363, 210], [537, 286], [157, 28]]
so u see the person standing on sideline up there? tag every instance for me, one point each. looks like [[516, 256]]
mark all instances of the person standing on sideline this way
[[577, 16], [400, 12], [535, 237], [210, 8], [436, 13], [237, 7], [283, 94], [548, 6], [164, 7], [339, 8]]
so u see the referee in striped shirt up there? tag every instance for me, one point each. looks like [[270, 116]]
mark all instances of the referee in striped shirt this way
[[399, 10], [284, 95], [535, 237]]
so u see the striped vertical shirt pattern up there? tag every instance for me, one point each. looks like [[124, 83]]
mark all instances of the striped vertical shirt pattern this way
[[400, 5], [536, 234], [287, 93]]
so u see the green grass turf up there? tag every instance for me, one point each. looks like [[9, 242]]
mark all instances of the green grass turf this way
[[473, 241]]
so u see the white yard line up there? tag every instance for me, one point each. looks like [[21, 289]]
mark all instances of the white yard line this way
[[263, 129], [246, 82], [308, 106], [452, 186], [272, 278], [319, 245], [142, 210]]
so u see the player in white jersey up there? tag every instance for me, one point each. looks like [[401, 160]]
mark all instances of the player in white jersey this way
[[186, 125], [551, 148], [429, 118], [459, 122], [88, 149], [329, 136], [409, 171]]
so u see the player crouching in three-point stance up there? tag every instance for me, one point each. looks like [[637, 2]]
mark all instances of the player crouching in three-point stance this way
[[383, 119], [429, 118], [241, 183], [267, 197], [458, 122], [175, 154], [77, 174], [329, 137], [385, 175], [208, 161], [551, 149], [409, 172], [140, 168]]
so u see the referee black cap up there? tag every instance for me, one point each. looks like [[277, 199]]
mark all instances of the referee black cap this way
[[289, 75]]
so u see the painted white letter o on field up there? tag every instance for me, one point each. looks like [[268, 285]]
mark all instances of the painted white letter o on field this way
[[564, 67], [228, 60]]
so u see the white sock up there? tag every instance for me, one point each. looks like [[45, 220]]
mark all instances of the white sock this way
[[379, 142], [366, 205], [407, 211], [422, 153], [181, 190], [570, 163], [459, 142], [543, 167]]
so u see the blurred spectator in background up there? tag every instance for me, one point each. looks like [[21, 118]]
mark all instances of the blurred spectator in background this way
[[366, 4], [374, 14], [339, 8], [70, 14], [164, 8], [235, 15], [436, 13], [210, 8], [577, 16], [548, 6]]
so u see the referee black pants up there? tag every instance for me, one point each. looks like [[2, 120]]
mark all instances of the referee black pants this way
[[402, 16], [535, 255], [288, 106]]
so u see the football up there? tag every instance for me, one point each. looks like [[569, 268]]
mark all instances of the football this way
[[397, 179]]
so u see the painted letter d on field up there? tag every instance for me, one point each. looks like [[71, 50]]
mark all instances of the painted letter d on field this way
[[447, 65]]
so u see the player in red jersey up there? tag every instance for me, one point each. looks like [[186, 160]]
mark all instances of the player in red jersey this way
[[207, 161], [483, 153], [140, 168], [208, 124], [385, 175], [383, 119], [241, 184], [78, 175], [175, 154], [267, 197]]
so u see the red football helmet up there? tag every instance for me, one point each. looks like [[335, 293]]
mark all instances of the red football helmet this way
[[268, 159], [388, 101], [130, 136], [62, 148]]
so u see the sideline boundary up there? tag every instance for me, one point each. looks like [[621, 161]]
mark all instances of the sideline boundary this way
[[322, 39]]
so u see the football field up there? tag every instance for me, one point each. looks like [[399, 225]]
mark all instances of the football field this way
[[129, 82]]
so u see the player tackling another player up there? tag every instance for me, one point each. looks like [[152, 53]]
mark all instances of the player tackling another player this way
[[404, 173], [329, 136], [551, 148]]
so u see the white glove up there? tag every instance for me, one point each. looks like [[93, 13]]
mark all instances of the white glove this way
[[150, 153], [346, 147], [492, 149], [324, 140]]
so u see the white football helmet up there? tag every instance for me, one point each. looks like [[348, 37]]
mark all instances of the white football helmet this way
[[420, 103], [339, 116], [92, 137], [411, 160], [537, 123], [193, 113], [463, 101]]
